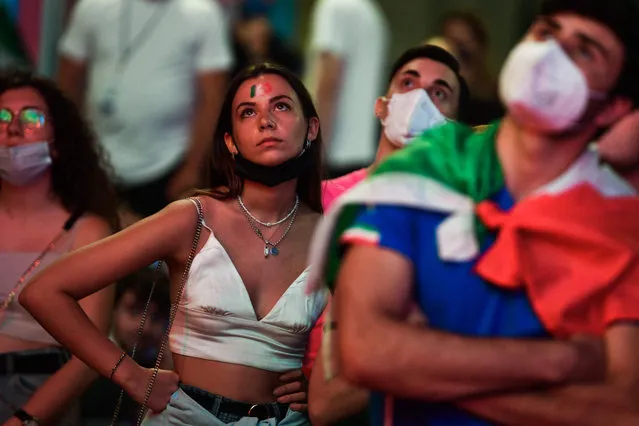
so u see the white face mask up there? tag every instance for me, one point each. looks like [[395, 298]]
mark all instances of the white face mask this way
[[540, 81], [21, 164], [409, 115]]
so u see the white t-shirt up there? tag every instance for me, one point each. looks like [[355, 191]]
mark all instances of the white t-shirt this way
[[148, 131], [357, 32]]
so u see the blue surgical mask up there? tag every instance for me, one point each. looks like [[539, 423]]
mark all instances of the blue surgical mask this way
[[22, 164]]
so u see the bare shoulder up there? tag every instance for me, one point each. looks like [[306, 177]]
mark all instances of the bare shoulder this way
[[209, 203], [90, 228], [177, 218]]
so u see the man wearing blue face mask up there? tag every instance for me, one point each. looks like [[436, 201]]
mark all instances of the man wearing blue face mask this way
[[423, 229]]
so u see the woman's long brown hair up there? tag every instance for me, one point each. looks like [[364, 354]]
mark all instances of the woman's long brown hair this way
[[80, 171]]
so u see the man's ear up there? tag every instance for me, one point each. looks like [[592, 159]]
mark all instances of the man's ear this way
[[230, 144], [613, 112], [381, 108]]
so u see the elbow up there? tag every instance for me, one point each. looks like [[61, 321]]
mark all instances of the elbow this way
[[319, 409], [323, 412], [356, 364], [28, 299], [336, 401], [32, 297], [625, 397], [321, 399], [361, 359]]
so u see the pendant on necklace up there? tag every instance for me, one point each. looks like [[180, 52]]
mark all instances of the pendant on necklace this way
[[271, 251]]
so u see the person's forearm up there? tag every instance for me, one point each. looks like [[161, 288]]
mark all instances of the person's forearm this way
[[326, 99], [425, 364], [335, 399], [71, 79], [326, 93], [326, 111], [65, 320], [205, 118], [55, 395], [580, 405], [74, 90], [202, 128]]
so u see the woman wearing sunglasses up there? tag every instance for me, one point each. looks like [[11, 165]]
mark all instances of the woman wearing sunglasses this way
[[241, 313], [54, 197]]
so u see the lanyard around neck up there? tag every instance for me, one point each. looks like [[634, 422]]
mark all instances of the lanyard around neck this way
[[128, 47]]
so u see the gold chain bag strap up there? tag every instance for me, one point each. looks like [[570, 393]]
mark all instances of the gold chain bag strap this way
[[165, 337]]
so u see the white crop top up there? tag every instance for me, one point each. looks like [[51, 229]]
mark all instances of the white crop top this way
[[215, 319]]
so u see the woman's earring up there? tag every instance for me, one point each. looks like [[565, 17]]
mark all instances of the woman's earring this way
[[307, 145], [232, 156]]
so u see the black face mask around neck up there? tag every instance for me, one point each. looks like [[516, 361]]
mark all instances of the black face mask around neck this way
[[273, 175]]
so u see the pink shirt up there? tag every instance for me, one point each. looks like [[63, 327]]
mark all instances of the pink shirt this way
[[331, 191], [334, 188]]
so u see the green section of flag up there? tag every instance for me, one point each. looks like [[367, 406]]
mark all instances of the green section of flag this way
[[456, 155], [459, 157], [11, 46]]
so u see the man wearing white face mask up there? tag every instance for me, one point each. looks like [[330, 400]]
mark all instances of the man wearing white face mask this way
[[425, 90], [423, 229]]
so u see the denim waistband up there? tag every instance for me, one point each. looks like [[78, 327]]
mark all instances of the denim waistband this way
[[37, 361], [229, 410]]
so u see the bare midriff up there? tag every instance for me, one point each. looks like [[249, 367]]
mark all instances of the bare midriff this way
[[234, 381]]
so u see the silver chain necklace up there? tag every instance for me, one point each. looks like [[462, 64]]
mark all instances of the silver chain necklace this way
[[269, 224], [270, 247]]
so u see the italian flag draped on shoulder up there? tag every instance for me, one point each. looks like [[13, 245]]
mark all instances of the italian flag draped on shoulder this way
[[574, 250]]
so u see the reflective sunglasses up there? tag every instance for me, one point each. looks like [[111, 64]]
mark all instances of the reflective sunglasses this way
[[29, 118]]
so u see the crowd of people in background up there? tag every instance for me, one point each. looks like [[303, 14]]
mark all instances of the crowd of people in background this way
[[198, 218]]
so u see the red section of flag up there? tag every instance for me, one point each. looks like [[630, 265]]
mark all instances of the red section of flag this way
[[577, 255]]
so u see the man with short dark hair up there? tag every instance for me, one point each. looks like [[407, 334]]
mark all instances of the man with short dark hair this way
[[425, 90], [439, 93], [423, 229]]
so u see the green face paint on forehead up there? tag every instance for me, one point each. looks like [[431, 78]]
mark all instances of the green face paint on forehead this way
[[252, 91]]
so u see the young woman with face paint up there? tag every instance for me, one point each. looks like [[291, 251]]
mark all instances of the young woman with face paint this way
[[243, 319], [54, 197]]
